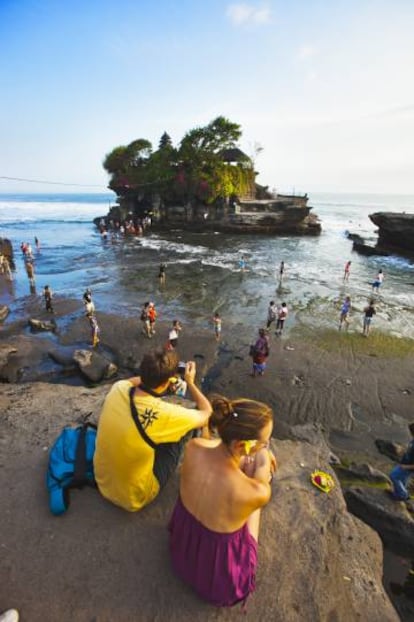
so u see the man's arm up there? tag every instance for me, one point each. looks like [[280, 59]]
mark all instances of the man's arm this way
[[203, 405]]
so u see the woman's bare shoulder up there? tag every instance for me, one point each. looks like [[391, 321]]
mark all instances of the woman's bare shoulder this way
[[202, 442]]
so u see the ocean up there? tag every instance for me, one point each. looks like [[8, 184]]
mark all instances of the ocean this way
[[203, 274]]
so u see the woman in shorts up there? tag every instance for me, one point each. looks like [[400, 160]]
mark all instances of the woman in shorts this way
[[224, 484]]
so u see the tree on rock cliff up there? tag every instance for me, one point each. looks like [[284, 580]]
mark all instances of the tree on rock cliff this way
[[128, 165], [204, 171], [207, 166]]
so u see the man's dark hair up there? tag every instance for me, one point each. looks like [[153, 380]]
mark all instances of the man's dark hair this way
[[157, 366], [411, 428]]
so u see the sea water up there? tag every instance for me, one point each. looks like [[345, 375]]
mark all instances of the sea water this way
[[203, 274]]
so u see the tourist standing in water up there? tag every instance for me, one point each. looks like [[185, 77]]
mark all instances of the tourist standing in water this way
[[242, 263], [344, 316], [347, 271], [224, 483], [369, 313], [378, 281], [161, 274], [281, 271]]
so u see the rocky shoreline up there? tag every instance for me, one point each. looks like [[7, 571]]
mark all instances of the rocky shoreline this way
[[331, 405]]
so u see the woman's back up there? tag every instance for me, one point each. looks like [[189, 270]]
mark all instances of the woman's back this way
[[214, 490]]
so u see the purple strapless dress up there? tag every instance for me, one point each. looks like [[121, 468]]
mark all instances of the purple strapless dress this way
[[221, 567]]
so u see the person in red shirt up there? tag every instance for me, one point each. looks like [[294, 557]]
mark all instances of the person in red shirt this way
[[152, 316]]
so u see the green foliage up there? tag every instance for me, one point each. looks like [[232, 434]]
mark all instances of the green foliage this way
[[196, 170]]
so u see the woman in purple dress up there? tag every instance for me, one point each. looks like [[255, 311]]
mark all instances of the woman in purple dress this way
[[224, 484]]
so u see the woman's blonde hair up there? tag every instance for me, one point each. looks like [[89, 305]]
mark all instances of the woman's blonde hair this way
[[240, 419]]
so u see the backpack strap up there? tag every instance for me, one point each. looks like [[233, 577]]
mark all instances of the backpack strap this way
[[137, 422], [81, 467]]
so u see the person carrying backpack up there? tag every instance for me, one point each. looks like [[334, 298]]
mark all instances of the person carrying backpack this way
[[260, 352]]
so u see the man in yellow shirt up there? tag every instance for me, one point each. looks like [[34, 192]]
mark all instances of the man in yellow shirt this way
[[140, 436]]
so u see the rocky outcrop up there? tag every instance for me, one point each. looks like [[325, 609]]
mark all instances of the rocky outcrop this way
[[316, 560], [395, 230]]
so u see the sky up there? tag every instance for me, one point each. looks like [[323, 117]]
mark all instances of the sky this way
[[324, 87]]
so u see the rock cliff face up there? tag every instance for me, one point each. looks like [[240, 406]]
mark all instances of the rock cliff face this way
[[317, 562], [282, 215], [396, 230]]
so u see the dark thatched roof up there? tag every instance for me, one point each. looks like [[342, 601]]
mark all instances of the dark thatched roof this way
[[234, 154]]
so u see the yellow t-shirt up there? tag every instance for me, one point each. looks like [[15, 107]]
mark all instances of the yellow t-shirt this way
[[123, 461]]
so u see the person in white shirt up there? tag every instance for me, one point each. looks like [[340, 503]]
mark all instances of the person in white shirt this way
[[282, 314], [173, 334], [271, 313], [378, 281]]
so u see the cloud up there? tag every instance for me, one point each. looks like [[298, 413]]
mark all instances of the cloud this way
[[242, 13], [306, 51]]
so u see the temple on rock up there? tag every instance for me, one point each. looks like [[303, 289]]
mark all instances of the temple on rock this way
[[208, 182]]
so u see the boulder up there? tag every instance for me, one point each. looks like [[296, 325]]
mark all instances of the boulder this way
[[44, 325], [389, 518], [317, 562], [4, 312], [94, 366]]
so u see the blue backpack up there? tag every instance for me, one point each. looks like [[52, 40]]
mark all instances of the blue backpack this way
[[70, 465]]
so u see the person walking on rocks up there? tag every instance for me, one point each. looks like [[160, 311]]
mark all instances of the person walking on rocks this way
[[282, 314], [271, 313], [152, 316], [48, 295], [145, 320], [344, 316], [260, 353], [173, 334], [140, 436], [369, 313], [401, 473]]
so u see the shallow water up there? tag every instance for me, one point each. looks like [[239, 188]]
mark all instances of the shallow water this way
[[203, 274]]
